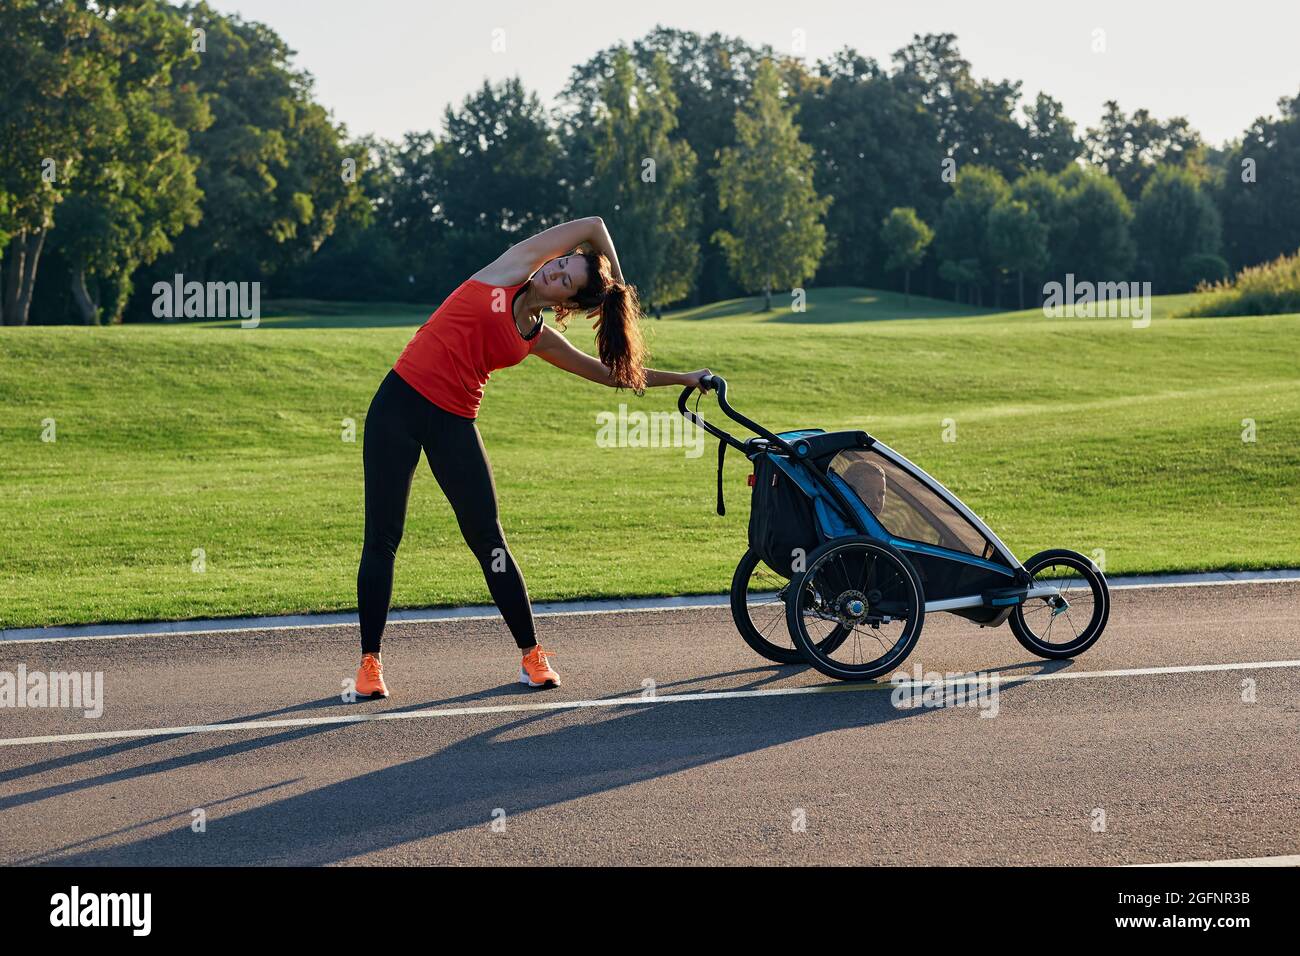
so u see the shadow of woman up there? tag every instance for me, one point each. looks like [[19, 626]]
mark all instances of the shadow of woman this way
[[540, 760]]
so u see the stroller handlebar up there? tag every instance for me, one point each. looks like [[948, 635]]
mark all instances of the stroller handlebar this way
[[719, 385]]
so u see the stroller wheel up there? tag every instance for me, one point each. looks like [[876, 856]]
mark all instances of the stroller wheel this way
[[758, 607], [867, 592], [1070, 622]]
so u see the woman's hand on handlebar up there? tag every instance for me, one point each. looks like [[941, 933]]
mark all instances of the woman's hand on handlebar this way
[[693, 379]]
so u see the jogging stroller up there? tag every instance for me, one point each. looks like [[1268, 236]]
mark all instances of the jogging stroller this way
[[851, 545]]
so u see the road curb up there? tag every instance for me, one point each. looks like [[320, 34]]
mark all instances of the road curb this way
[[550, 609]]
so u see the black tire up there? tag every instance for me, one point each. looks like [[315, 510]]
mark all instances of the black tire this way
[[872, 574], [768, 636], [1033, 622]]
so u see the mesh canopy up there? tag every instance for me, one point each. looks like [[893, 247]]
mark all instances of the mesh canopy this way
[[905, 506]]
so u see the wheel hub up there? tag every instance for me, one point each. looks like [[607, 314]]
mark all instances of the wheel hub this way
[[852, 607]]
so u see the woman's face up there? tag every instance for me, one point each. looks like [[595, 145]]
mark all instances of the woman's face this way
[[557, 281]]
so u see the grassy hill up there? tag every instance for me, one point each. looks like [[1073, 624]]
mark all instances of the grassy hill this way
[[1082, 433]]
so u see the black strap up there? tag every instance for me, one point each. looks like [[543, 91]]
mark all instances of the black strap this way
[[537, 326], [722, 453]]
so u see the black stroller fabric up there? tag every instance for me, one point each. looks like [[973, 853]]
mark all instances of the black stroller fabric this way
[[781, 518]]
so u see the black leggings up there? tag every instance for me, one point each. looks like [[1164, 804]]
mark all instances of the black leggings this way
[[399, 423]]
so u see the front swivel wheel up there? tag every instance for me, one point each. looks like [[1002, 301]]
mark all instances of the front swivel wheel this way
[[1068, 620]]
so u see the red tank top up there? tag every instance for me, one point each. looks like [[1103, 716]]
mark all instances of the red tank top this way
[[473, 333]]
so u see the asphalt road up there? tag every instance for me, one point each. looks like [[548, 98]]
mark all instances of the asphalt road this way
[[1085, 762]]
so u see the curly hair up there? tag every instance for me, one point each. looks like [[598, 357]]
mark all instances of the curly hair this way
[[617, 311]]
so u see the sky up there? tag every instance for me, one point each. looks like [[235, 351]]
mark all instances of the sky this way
[[386, 67]]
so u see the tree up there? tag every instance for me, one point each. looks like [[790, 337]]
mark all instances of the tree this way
[[6, 224], [56, 88], [135, 189], [962, 233], [408, 190], [643, 182], [959, 272], [1175, 221], [271, 163], [975, 119], [1044, 194], [710, 75], [496, 175], [1052, 142], [373, 255], [906, 237], [1098, 245], [869, 140], [1259, 195], [1129, 148], [765, 184], [1018, 240]]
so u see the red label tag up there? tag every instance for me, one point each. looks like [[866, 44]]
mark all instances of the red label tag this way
[[751, 480]]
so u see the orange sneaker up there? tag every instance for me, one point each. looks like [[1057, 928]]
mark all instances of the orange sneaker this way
[[536, 670], [370, 677]]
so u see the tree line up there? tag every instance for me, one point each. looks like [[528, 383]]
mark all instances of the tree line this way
[[140, 140]]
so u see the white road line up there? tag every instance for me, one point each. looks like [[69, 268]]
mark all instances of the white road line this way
[[1247, 861], [615, 702], [291, 622]]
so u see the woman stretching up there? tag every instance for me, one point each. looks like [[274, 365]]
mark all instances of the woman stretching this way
[[431, 396]]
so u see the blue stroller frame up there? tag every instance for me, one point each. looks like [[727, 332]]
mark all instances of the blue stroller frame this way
[[852, 544]]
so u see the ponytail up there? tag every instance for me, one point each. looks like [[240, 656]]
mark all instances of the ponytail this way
[[618, 337]]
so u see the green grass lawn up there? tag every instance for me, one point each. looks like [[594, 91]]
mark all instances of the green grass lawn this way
[[1081, 433]]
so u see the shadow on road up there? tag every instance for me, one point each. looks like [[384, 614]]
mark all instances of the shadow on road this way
[[539, 760]]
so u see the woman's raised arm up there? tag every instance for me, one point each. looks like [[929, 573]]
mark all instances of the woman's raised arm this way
[[522, 259]]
